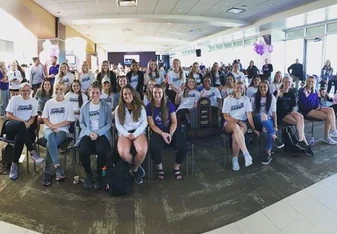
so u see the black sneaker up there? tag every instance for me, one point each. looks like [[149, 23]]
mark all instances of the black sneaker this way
[[98, 183], [46, 179], [302, 145], [137, 176], [309, 151], [88, 182], [279, 144], [267, 160], [141, 171]]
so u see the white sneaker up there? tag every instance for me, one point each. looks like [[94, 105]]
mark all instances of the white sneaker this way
[[248, 160], [333, 133], [329, 141], [236, 166]]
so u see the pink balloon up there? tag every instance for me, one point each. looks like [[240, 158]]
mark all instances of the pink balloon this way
[[54, 51]]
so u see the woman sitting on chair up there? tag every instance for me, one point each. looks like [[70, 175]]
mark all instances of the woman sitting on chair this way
[[286, 102], [187, 99], [57, 115], [237, 110], [20, 126], [76, 98], [264, 110], [162, 119], [95, 136], [148, 92], [308, 105], [43, 95], [212, 93], [131, 123]]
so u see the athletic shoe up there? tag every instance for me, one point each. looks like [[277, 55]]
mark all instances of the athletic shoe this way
[[46, 179], [137, 176], [279, 144], [98, 183], [333, 133], [267, 160], [329, 141], [248, 160], [141, 171], [59, 173], [309, 151], [302, 145], [236, 166], [37, 158], [13, 173], [88, 182]]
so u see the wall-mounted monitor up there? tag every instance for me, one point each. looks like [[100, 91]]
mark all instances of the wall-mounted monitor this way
[[128, 59]]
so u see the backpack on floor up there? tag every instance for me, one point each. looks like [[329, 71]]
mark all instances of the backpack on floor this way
[[290, 140], [118, 179], [7, 154]]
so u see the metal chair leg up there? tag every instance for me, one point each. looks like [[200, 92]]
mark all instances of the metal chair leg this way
[[27, 159], [192, 163]]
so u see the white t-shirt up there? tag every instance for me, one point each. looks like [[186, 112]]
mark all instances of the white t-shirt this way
[[251, 91], [67, 79], [23, 109], [237, 108], [94, 116], [213, 94], [189, 101], [226, 92], [197, 77], [57, 112], [263, 105], [86, 80], [174, 79], [159, 80], [134, 80], [239, 76], [108, 100], [14, 78], [274, 87], [217, 78], [72, 98], [145, 100]]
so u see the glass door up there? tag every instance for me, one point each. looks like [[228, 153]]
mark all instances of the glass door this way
[[313, 56]]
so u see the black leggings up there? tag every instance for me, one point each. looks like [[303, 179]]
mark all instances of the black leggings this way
[[172, 95], [179, 141], [101, 147], [181, 115], [17, 131], [334, 82]]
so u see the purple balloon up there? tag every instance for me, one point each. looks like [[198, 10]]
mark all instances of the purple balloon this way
[[270, 48]]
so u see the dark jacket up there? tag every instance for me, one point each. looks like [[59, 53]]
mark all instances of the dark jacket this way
[[296, 70], [113, 80], [140, 85], [252, 71], [222, 77]]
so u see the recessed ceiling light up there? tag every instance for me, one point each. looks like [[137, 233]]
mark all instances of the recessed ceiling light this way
[[181, 10], [270, 4], [58, 12], [235, 10], [195, 30]]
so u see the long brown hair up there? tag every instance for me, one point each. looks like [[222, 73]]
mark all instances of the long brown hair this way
[[156, 71], [43, 91], [136, 103], [148, 94], [80, 98], [61, 74], [108, 71], [163, 105], [187, 89]]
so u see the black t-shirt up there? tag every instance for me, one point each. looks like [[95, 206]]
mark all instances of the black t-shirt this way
[[285, 104]]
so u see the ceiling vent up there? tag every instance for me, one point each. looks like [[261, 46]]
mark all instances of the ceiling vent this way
[[127, 3]]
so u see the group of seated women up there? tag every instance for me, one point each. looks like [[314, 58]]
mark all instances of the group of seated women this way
[[262, 111]]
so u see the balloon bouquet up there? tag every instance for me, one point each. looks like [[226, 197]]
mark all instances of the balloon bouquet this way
[[261, 48], [49, 50]]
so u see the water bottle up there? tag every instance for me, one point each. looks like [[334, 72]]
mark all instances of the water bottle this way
[[104, 171], [312, 141]]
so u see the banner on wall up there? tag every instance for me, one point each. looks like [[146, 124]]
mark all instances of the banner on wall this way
[[267, 39], [128, 59]]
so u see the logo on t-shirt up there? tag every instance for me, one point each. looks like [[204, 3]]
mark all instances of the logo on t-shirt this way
[[94, 113], [85, 79], [176, 79], [25, 107], [59, 110], [73, 99], [107, 99], [237, 107], [134, 79], [65, 80], [191, 95], [211, 95]]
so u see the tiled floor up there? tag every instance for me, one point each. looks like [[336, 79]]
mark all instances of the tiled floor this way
[[7, 228], [311, 211]]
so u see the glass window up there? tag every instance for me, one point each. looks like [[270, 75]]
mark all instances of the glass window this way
[[315, 31], [237, 43], [331, 50], [332, 28], [294, 50], [295, 34], [314, 57]]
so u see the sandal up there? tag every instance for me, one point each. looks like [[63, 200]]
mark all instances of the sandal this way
[[160, 174], [177, 174]]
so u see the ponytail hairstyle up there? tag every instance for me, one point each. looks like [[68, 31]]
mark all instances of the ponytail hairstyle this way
[[80, 98], [187, 89], [258, 99], [163, 105], [181, 72], [95, 85]]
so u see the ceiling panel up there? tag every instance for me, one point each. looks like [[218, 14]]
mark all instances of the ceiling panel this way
[[199, 9], [215, 11], [249, 4], [147, 3], [89, 4], [72, 5], [165, 6], [107, 3], [182, 8], [127, 10]]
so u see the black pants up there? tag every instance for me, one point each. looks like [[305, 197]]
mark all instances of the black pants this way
[[17, 131], [101, 147], [181, 116], [172, 95], [179, 141], [334, 82]]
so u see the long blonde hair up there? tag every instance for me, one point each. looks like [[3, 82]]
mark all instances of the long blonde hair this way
[[277, 73], [163, 105], [61, 74], [181, 72], [244, 88]]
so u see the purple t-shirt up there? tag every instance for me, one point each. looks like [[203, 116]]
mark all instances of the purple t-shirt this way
[[3, 86], [157, 116], [54, 70]]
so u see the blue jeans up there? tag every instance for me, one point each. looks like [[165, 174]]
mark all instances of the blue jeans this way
[[53, 140], [4, 98], [268, 125]]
